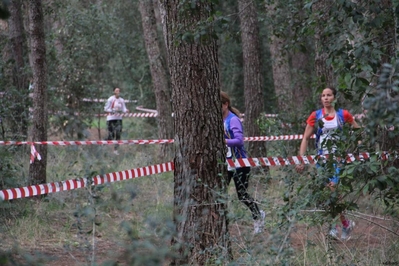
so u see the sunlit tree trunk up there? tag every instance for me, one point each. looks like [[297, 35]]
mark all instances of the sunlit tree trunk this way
[[199, 209], [37, 170], [253, 80], [159, 76]]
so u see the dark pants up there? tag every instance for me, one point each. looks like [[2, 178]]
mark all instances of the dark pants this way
[[241, 177], [114, 130]]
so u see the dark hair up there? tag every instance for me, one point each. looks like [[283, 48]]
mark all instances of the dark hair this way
[[226, 99], [334, 90]]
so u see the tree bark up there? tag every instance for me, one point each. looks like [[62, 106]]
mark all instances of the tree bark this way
[[18, 97], [324, 72], [388, 39], [292, 68], [253, 80], [37, 170], [199, 208], [159, 77]]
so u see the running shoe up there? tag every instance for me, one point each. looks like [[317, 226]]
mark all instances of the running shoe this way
[[333, 233], [346, 232], [259, 223]]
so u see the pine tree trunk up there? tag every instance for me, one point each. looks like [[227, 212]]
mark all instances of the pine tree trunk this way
[[37, 170], [159, 77], [18, 97], [253, 81], [324, 72], [199, 208]]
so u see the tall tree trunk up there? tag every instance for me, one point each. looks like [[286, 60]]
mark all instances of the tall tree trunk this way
[[18, 97], [281, 74], [37, 170], [324, 72], [280, 63], [291, 67], [302, 69], [159, 76], [199, 208], [252, 74], [388, 40]]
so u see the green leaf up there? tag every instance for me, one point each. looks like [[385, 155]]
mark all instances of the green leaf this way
[[365, 189]]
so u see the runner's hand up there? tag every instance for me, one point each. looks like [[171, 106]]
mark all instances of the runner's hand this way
[[299, 168]]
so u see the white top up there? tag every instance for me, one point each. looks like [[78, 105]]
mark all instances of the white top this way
[[328, 130], [114, 107]]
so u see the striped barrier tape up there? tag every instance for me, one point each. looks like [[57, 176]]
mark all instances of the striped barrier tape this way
[[105, 100], [35, 190], [34, 154], [141, 108], [132, 114], [154, 114], [294, 160], [153, 141], [88, 142], [273, 138]]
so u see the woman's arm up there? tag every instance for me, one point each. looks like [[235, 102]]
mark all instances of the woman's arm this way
[[309, 131], [107, 107], [355, 124], [124, 109]]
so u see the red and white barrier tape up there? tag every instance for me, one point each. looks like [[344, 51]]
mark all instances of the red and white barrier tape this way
[[141, 108], [293, 160], [273, 138], [30, 191], [35, 190], [153, 141], [88, 142], [34, 154], [152, 114], [105, 100], [132, 114]]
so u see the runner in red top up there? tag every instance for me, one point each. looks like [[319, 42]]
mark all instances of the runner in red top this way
[[331, 121]]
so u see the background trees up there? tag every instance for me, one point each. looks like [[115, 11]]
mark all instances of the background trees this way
[[270, 56]]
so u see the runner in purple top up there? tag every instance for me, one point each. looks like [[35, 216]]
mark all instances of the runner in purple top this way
[[234, 139]]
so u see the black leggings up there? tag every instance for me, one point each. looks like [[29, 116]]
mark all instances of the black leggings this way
[[241, 177], [114, 129]]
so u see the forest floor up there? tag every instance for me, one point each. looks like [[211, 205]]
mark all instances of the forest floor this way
[[367, 236]]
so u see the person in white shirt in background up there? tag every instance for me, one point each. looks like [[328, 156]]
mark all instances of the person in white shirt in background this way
[[115, 106]]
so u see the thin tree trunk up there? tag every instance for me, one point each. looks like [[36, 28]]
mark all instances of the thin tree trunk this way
[[292, 68], [18, 98], [324, 72], [159, 77], [388, 39], [253, 80], [199, 208], [281, 74], [37, 170]]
